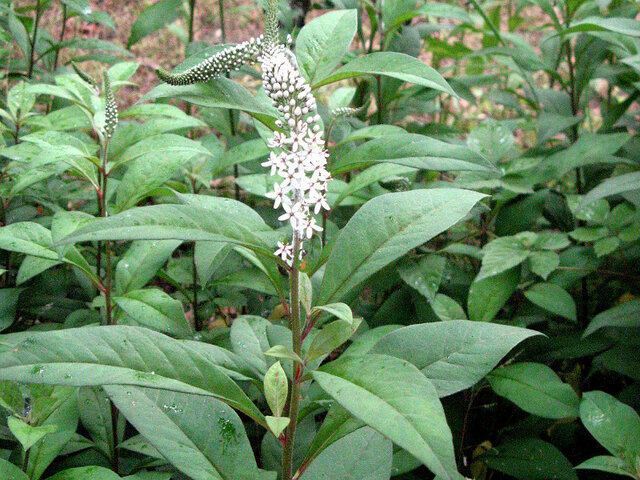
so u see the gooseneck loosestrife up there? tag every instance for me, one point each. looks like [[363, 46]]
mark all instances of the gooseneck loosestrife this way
[[298, 157]]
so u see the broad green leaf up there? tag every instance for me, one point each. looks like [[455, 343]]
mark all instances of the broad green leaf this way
[[120, 355], [629, 182], [363, 454], [11, 398], [394, 398], [424, 275], [275, 388], [155, 309], [177, 222], [384, 229], [219, 93], [336, 424], [626, 314], [280, 351], [502, 254], [552, 298], [9, 471], [536, 389], [140, 263], [331, 337], [244, 152], [605, 463], [201, 436], [153, 18], [412, 150], [322, 43], [26, 434], [249, 340], [370, 176], [544, 263], [96, 418], [453, 355], [489, 295], [615, 425], [587, 150], [390, 64], [530, 459], [492, 140], [208, 257]]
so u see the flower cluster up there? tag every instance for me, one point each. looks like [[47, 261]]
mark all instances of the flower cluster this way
[[111, 107], [227, 60], [348, 112], [299, 156]]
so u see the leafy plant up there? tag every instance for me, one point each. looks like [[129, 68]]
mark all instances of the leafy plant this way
[[446, 285]]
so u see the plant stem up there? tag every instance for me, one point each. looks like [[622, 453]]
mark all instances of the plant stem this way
[[34, 39], [379, 98], [192, 11], [25, 461], [61, 38], [104, 177], [294, 399], [194, 303]]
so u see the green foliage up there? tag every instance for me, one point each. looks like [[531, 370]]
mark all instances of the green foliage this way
[[471, 307]]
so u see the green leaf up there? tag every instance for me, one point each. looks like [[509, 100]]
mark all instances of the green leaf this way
[[453, 355], [536, 389], [590, 148], [500, 255], [331, 337], [489, 295], [200, 436], [59, 409], [446, 308], [276, 388], [92, 472], [626, 314], [424, 275], [94, 356], [338, 310], [370, 176], [552, 298], [390, 64], [544, 263], [26, 434], [177, 222], [277, 424], [248, 338], [140, 263], [629, 182], [280, 351], [9, 471], [384, 229], [218, 93], [8, 305], [394, 398], [615, 425], [154, 18], [530, 459], [322, 43], [412, 150], [605, 463], [363, 454], [624, 26], [155, 309]]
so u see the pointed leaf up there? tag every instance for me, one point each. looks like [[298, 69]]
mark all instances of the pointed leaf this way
[[384, 229]]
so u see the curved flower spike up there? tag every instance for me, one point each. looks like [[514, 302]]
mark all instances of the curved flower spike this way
[[111, 107], [85, 76], [227, 60]]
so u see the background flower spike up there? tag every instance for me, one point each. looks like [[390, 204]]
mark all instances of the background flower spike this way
[[111, 107]]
